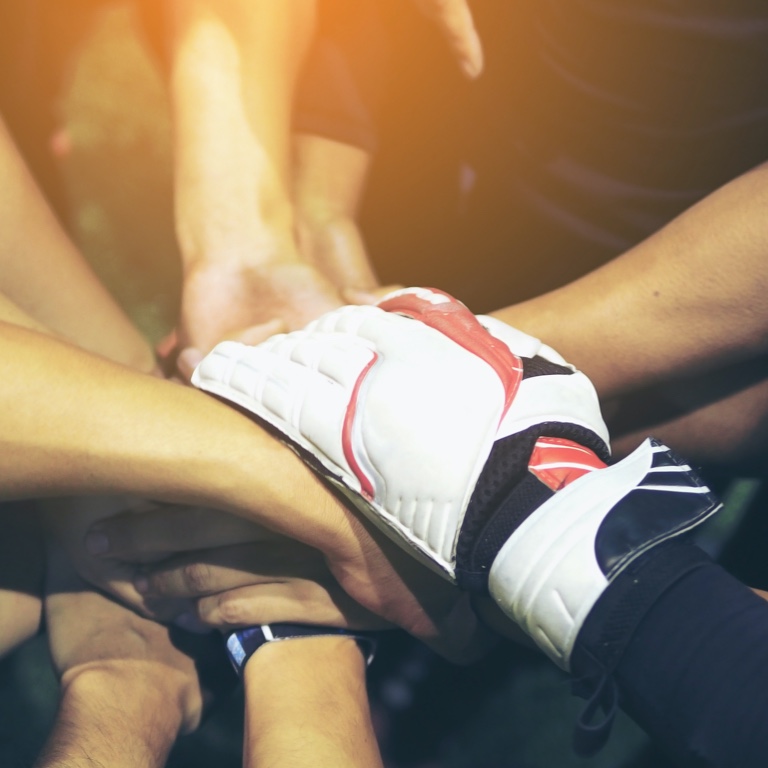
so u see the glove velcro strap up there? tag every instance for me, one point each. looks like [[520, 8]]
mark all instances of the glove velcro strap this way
[[505, 495]]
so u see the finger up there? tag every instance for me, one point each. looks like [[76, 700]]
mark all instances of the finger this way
[[169, 529], [190, 357], [64, 587], [299, 601], [167, 344], [455, 21], [218, 570], [186, 362]]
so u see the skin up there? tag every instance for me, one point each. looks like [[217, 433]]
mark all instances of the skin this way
[[234, 73], [126, 690], [151, 446], [454, 20], [141, 436], [673, 333], [36, 260], [121, 676], [286, 684], [265, 219], [699, 287]]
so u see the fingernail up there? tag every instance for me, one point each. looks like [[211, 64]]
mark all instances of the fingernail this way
[[96, 543], [142, 584], [191, 623]]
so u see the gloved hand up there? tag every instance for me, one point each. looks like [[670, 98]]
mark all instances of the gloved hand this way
[[422, 414], [474, 445]]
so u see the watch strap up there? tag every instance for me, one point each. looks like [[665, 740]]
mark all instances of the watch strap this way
[[243, 643]]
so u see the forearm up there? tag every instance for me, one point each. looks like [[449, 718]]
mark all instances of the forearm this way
[[83, 425], [692, 297], [235, 66], [306, 705], [717, 418], [108, 717], [329, 180], [47, 279]]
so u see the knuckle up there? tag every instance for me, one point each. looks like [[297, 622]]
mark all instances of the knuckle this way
[[232, 611], [197, 577]]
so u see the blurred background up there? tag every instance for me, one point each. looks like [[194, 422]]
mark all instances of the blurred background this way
[[81, 89]]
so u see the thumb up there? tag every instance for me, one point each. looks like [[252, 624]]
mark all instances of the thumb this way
[[187, 361]]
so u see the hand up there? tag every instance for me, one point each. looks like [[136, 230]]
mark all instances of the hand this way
[[455, 21], [69, 520], [254, 583], [403, 406], [237, 586], [89, 633], [249, 576], [250, 302]]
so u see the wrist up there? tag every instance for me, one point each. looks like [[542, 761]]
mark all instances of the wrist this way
[[144, 691], [298, 679], [301, 681], [231, 251], [111, 716], [335, 246]]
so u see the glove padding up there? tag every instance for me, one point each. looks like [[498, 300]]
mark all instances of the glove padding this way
[[401, 405]]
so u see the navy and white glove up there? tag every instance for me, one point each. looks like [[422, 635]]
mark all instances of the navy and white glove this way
[[475, 446]]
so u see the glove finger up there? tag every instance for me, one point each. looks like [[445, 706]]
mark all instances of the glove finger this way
[[301, 384]]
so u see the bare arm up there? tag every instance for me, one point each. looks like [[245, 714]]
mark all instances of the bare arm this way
[[44, 279], [127, 692], [306, 705], [673, 333], [692, 297], [454, 20], [46, 286], [235, 66]]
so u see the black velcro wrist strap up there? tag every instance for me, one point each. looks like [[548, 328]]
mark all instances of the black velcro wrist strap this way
[[243, 643], [505, 495]]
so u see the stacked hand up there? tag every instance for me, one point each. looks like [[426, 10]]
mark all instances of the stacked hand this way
[[400, 406], [427, 419]]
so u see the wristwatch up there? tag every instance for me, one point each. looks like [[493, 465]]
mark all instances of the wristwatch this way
[[243, 643]]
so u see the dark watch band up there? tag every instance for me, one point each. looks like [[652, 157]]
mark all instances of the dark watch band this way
[[243, 643]]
